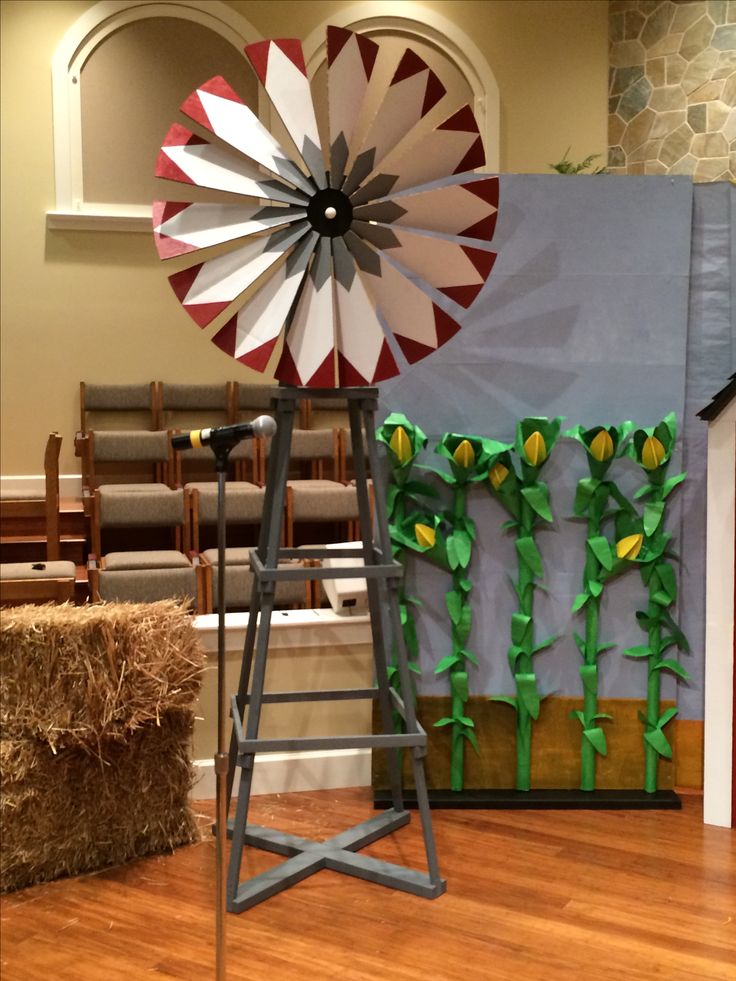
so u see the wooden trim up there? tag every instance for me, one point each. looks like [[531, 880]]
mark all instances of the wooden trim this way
[[14, 592]]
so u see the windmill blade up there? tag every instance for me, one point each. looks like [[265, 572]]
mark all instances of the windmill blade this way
[[453, 147], [418, 325], [217, 107], [189, 159], [363, 353], [206, 289], [412, 92], [464, 207], [280, 66], [458, 271], [351, 59], [180, 227], [251, 335], [308, 357]]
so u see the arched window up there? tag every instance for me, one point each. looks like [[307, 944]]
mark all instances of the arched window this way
[[119, 74]]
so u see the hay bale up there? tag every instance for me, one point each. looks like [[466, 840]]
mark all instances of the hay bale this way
[[95, 728]]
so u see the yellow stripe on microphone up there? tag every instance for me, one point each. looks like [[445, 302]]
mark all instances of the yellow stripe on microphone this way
[[196, 437]]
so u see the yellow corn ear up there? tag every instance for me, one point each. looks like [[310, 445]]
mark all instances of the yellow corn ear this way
[[424, 535], [535, 449], [401, 445], [652, 453], [464, 454], [629, 547], [601, 447], [497, 474]]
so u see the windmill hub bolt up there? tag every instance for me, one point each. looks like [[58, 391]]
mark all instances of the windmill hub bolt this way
[[330, 212]]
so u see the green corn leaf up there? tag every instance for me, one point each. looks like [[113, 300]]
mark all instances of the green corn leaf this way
[[455, 603], [392, 672], [638, 651], [658, 741], [644, 491], [642, 717], [452, 559], [605, 647], [526, 686], [513, 654], [583, 494], [671, 483], [506, 699], [666, 576], [464, 584], [472, 739], [447, 721], [447, 662], [537, 496], [459, 684], [419, 487], [521, 630], [391, 495], [462, 628], [594, 587], [469, 656], [508, 525], [602, 550], [580, 642], [646, 621], [463, 547], [413, 666], [465, 720], [652, 516], [668, 664], [667, 716], [661, 598], [680, 638], [602, 715], [543, 645], [597, 738], [529, 554], [589, 677], [577, 714], [580, 600]]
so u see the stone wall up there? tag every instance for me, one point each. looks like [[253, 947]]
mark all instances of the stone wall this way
[[672, 89]]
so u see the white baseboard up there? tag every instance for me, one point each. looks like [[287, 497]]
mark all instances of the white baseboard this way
[[279, 773], [33, 486]]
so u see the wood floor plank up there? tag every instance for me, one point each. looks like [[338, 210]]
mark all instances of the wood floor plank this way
[[532, 896]]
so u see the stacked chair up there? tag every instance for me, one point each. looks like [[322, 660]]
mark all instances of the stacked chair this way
[[52, 580]]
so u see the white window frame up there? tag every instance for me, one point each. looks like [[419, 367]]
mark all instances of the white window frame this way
[[413, 20], [72, 210]]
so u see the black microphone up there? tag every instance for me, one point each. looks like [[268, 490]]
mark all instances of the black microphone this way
[[262, 426]]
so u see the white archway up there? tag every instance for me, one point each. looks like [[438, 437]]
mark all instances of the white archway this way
[[413, 20], [79, 42]]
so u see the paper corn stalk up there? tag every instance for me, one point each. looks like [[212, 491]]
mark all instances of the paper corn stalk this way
[[404, 499], [603, 560], [526, 498], [652, 450]]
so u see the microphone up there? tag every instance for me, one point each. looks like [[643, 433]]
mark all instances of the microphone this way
[[223, 435]]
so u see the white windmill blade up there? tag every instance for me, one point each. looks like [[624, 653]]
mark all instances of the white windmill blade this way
[[189, 159], [308, 357], [463, 207], [363, 356], [351, 59], [453, 147], [217, 107], [180, 227], [412, 92], [280, 66], [251, 335], [206, 289], [459, 271], [418, 325]]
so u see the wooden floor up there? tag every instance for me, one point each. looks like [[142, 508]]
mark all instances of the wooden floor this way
[[532, 896]]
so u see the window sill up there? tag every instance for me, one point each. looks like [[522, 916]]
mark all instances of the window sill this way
[[107, 218]]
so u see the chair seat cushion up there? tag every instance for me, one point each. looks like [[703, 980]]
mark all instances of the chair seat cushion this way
[[37, 570], [243, 502], [132, 488], [153, 559], [233, 556], [148, 585], [323, 500]]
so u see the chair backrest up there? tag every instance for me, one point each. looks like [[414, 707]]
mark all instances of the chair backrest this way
[[140, 509], [327, 414], [196, 406], [118, 406], [127, 456], [51, 473]]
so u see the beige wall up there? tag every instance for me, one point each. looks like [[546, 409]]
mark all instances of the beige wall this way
[[96, 305]]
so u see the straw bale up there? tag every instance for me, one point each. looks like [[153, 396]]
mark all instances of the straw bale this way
[[74, 676], [71, 811]]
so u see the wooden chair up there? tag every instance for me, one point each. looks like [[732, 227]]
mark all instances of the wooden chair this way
[[122, 460], [51, 581]]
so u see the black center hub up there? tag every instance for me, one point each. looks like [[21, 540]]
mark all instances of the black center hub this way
[[330, 212]]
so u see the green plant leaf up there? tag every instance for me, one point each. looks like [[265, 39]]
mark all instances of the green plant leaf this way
[[577, 714], [600, 547], [469, 656], [583, 494], [653, 512], [580, 600], [668, 664], [463, 548], [666, 576], [521, 630], [597, 738], [459, 684], [580, 642], [602, 648], [472, 739], [447, 662], [529, 554], [672, 482], [513, 654], [638, 651], [506, 699], [447, 721], [526, 686], [667, 716], [537, 496], [465, 720], [644, 491], [658, 741], [661, 598], [543, 645], [455, 603], [594, 587], [589, 677]]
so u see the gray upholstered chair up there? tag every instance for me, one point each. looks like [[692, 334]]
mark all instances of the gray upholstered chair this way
[[118, 406], [239, 582], [125, 460], [53, 579], [185, 407], [149, 574], [243, 506]]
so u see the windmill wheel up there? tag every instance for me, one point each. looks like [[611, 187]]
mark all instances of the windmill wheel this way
[[342, 260]]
